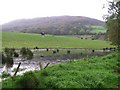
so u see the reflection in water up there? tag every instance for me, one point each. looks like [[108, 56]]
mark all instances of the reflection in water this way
[[24, 67]]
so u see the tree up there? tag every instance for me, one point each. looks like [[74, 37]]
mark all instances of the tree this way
[[10, 52], [29, 54], [26, 53], [7, 60], [3, 59], [7, 57], [23, 52], [113, 23]]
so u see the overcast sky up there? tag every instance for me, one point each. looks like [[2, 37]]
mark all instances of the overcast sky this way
[[22, 9]]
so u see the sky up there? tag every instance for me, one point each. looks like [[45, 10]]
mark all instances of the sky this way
[[25, 9]]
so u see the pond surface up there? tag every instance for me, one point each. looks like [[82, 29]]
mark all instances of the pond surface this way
[[25, 66], [28, 65]]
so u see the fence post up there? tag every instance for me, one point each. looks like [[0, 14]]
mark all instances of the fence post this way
[[17, 69]]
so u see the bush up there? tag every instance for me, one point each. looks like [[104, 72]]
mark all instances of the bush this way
[[93, 51], [47, 49], [106, 48], [44, 73], [16, 54], [26, 53], [68, 52], [9, 61], [9, 51], [36, 47], [28, 80], [103, 49], [5, 75], [54, 52], [57, 50], [29, 54]]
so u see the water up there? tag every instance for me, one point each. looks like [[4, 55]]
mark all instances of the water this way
[[25, 66]]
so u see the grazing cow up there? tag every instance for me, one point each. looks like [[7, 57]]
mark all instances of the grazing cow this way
[[42, 33]]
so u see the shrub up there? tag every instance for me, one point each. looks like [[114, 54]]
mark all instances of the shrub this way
[[81, 53], [16, 54], [103, 49], [44, 73], [29, 54], [114, 49], [28, 80], [54, 52], [68, 52], [57, 50], [9, 61], [36, 47], [26, 53], [42, 56], [106, 48], [93, 51], [3, 59], [103, 58], [9, 51], [5, 75], [23, 52], [47, 49]]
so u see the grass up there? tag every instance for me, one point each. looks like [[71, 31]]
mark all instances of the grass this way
[[95, 72], [19, 40], [98, 29]]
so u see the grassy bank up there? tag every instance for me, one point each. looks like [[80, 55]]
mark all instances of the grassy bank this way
[[95, 72]]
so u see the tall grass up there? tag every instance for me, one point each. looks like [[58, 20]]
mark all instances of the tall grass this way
[[95, 72]]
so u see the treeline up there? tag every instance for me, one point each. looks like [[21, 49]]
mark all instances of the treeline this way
[[60, 25]]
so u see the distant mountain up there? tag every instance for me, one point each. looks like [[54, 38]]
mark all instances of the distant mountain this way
[[54, 25]]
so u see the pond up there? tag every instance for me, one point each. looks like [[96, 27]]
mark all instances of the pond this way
[[28, 65]]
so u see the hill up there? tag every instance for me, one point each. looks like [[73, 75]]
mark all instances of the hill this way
[[18, 40], [58, 25]]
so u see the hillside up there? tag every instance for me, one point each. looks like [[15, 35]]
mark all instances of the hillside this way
[[54, 25]]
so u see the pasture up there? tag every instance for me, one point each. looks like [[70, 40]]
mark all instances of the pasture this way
[[98, 29], [19, 40]]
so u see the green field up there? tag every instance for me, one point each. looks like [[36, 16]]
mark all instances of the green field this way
[[18, 40], [98, 29], [95, 72]]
